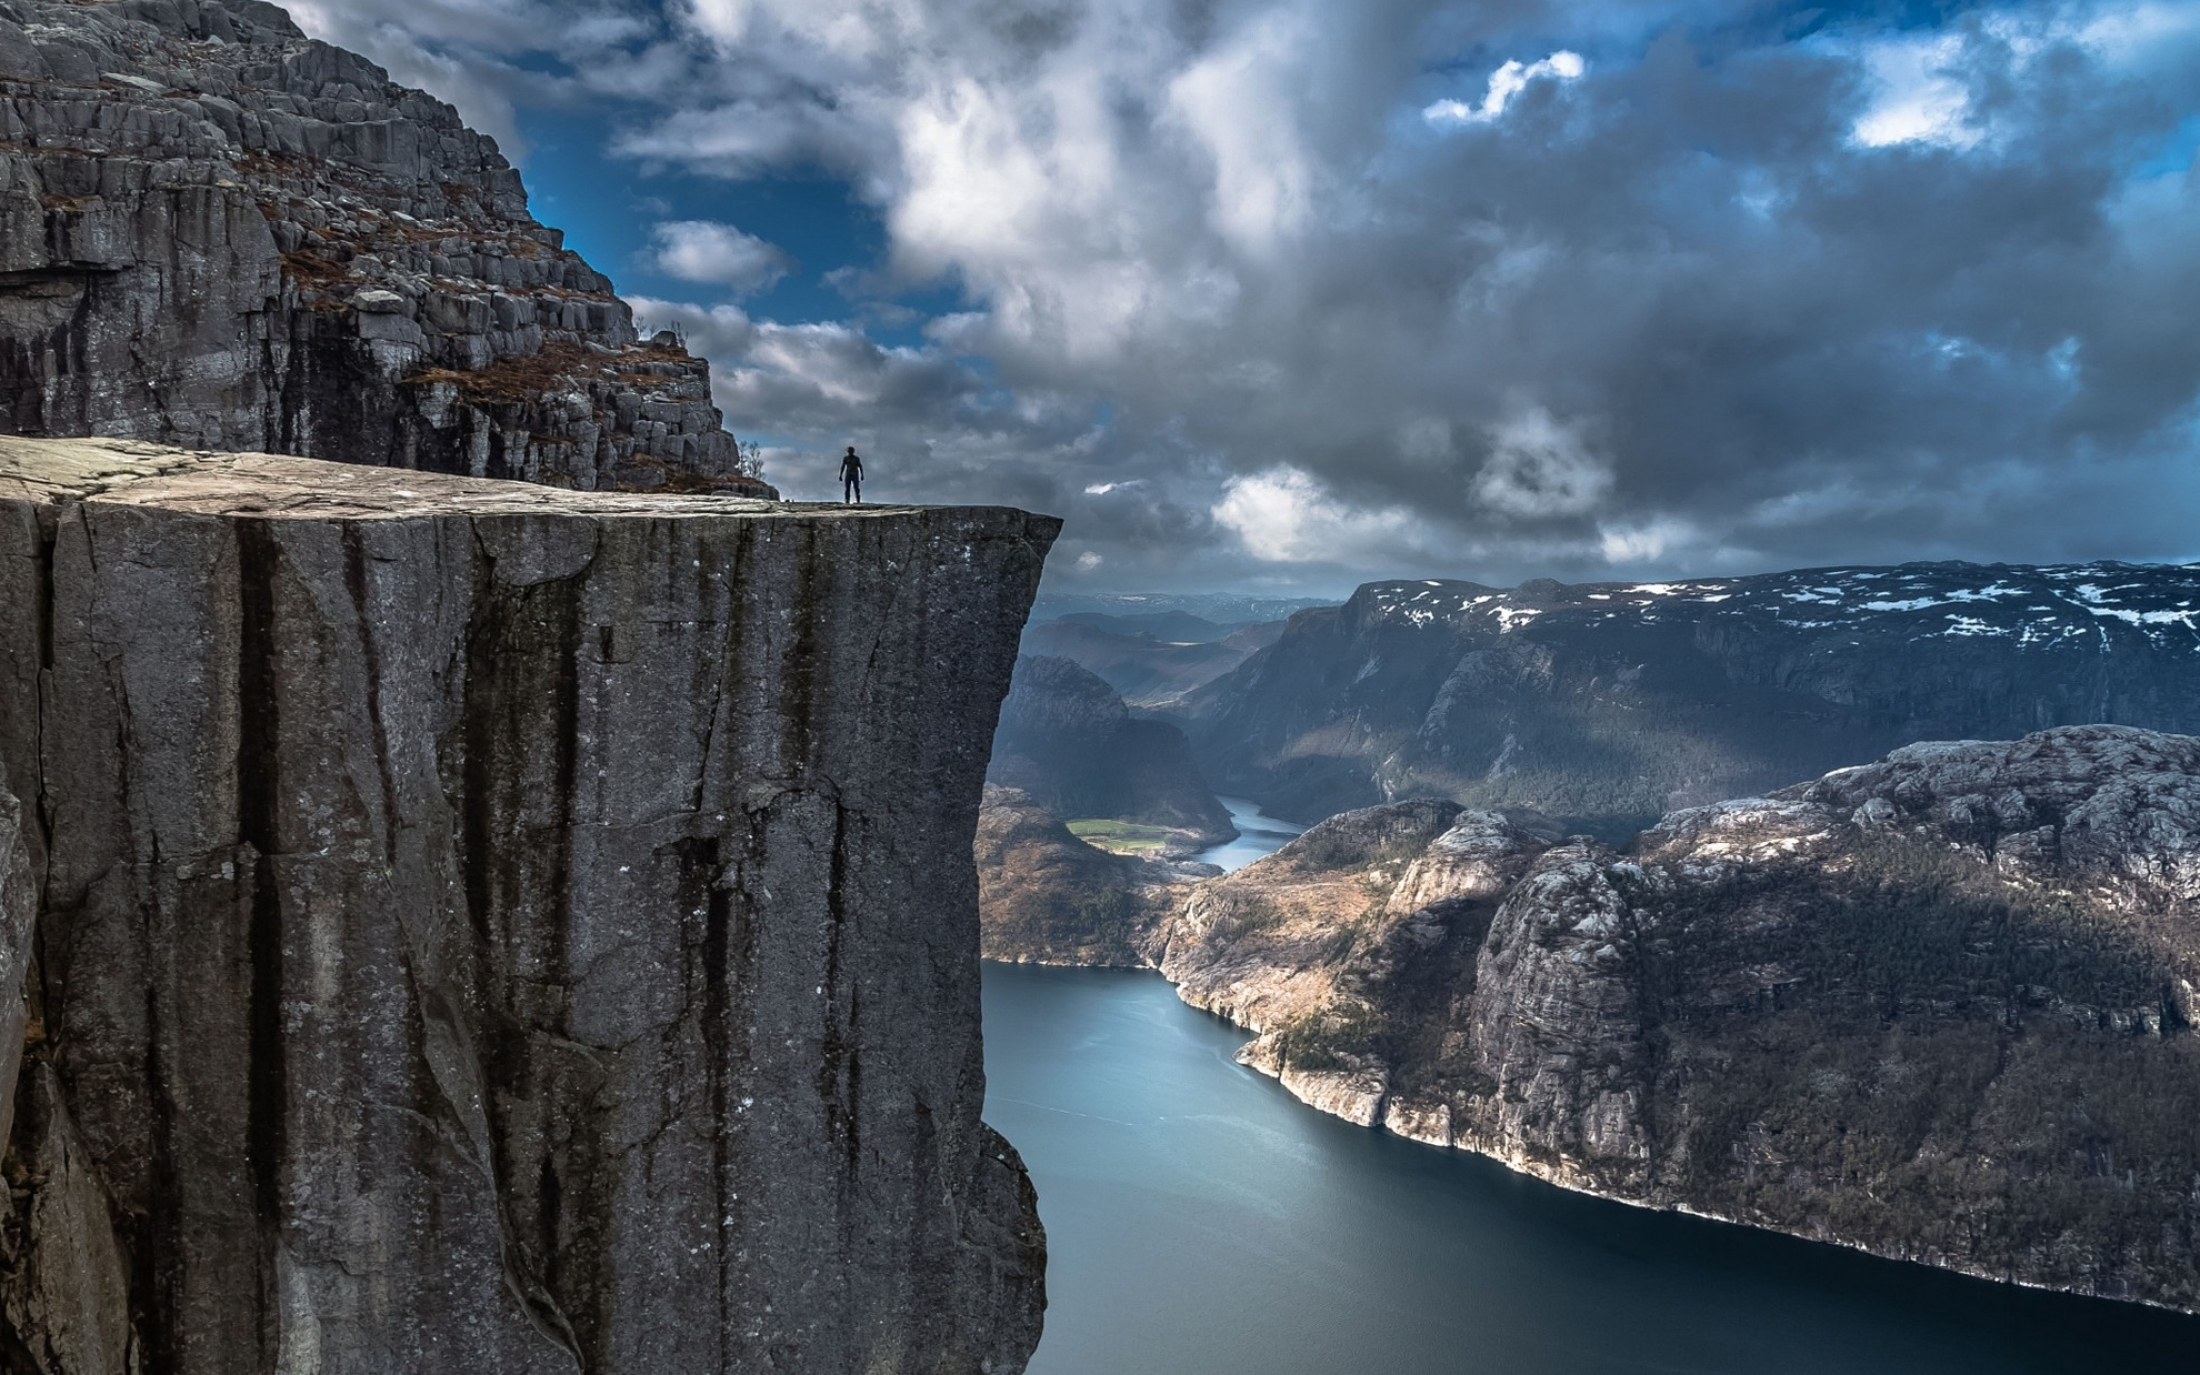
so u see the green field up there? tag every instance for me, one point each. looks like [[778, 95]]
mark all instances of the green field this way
[[1121, 837]]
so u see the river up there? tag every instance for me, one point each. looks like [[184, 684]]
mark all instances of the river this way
[[1200, 1221], [1258, 834]]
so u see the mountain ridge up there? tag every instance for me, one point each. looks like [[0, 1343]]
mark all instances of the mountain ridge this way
[[1608, 704]]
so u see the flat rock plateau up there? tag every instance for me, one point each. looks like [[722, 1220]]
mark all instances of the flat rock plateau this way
[[450, 925], [218, 233]]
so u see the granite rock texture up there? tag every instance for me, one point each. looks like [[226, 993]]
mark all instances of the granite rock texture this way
[[1940, 1007], [484, 928], [218, 233]]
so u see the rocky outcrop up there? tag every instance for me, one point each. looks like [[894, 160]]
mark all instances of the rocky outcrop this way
[[1611, 704], [1940, 1007], [218, 233], [1362, 929], [1069, 741], [484, 928], [1046, 897]]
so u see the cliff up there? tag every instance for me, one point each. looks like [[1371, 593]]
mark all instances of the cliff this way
[[1940, 1007], [218, 233], [475, 927], [1069, 741], [1610, 704]]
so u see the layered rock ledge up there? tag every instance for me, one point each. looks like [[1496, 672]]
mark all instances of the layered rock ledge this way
[[216, 232], [465, 926]]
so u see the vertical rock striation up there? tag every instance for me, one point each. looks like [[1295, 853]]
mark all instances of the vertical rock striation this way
[[216, 232], [482, 928]]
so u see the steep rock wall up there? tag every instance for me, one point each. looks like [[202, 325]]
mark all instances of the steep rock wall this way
[[1940, 1007], [216, 232], [484, 928]]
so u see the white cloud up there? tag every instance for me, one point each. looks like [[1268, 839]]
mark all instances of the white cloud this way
[[719, 331], [1646, 541], [1540, 468], [1241, 105], [1918, 96], [1286, 515], [1505, 83], [717, 255], [1212, 264]]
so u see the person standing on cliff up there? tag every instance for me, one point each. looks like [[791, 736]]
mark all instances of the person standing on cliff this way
[[851, 478]]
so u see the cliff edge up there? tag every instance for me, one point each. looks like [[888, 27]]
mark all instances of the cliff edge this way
[[218, 233], [473, 927]]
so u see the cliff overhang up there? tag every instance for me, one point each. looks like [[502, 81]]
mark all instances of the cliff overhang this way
[[458, 925]]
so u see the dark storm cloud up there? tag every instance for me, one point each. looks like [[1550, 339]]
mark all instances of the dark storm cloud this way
[[1316, 290]]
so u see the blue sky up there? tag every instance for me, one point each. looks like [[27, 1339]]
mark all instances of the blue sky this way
[[1279, 295]]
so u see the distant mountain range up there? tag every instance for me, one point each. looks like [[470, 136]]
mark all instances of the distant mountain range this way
[[1607, 704], [1151, 667], [1069, 744], [1224, 608]]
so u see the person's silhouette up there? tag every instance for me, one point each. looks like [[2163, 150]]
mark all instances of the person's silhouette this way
[[851, 478]]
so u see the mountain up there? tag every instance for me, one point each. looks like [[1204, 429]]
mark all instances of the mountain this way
[[1940, 1007], [1046, 897], [1608, 704], [1142, 665], [1221, 608], [218, 233], [1068, 741], [465, 927], [1170, 627]]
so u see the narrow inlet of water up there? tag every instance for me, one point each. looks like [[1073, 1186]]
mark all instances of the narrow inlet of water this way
[[1200, 1221]]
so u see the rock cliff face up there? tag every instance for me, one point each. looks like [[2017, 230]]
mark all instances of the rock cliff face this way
[[480, 928], [1610, 704], [1940, 1007], [217, 233], [1066, 739]]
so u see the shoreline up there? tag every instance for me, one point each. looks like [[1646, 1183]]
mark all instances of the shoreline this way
[[1544, 1175]]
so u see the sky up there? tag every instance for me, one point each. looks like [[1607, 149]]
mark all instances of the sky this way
[[1283, 295]]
